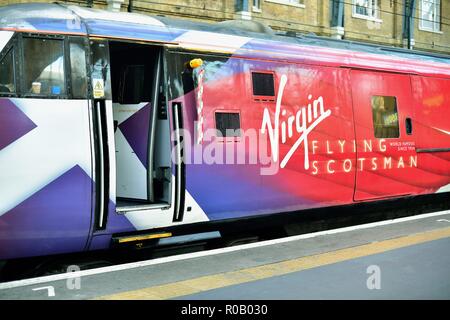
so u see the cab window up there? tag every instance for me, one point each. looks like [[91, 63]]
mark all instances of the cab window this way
[[43, 67], [7, 78], [78, 68]]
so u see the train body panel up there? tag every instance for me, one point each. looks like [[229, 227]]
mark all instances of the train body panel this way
[[45, 176], [94, 143], [234, 182]]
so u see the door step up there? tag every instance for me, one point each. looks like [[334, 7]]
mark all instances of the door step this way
[[140, 207], [140, 238]]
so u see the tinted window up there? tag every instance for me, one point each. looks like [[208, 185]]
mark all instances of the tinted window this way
[[7, 83], [131, 86], [78, 68], [228, 123], [100, 70], [44, 66], [263, 84], [385, 117]]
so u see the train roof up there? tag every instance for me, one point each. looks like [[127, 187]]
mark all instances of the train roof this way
[[233, 37]]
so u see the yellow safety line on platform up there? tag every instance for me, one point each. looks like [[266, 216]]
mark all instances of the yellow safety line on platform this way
[[191, 286]]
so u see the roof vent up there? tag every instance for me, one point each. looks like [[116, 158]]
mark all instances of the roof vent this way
[[247, 25]]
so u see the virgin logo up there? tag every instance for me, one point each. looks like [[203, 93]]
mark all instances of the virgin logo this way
[[304, 121]]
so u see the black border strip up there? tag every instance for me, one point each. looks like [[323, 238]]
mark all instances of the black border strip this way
[[180, 183], [424, 150]]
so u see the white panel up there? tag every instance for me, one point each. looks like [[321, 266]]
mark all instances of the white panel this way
[[96, 14], [148, 219], [444, 189], [112, 151], [59, 142], [131, 174], [211, 41], [5, 36]]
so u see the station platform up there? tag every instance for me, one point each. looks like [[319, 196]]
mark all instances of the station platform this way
[[406, 258]]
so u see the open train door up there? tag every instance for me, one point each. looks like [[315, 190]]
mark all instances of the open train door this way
[[145, 182], [104, 164], [385, 140]]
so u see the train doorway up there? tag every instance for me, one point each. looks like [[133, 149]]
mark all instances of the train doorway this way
[[141, 127]]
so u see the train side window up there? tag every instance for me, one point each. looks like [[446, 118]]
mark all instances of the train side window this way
[[100, 70], [228, 124], [385, 117], [263, 85], [7, 77], [78, 68], [43, 67]]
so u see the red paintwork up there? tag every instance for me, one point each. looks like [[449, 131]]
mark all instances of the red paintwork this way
[[347, 93]]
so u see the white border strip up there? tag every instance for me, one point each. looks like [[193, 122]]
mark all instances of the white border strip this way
[[64, 276]]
